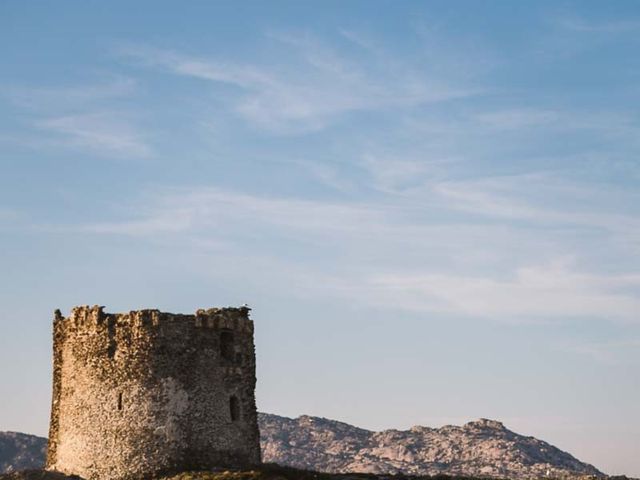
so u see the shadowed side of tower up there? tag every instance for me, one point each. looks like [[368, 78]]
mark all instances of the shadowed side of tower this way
[[147, 392]]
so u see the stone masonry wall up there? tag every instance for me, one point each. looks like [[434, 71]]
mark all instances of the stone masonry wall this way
[[146, 393]]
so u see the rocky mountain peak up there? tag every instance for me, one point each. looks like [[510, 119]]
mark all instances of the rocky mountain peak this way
[[486, 423], [480, 448], [19, 451]]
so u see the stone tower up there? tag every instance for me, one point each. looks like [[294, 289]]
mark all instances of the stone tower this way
[[144, 393]]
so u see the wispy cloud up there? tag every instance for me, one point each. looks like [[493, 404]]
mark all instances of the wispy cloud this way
[[77, 117], [189, 210], [327, 174], [607, 124], [544, 199], [314, 86], [102, 133], [400, 174], [610, 352], [517, 118], [399, 258], [48, 98], [536, 292]]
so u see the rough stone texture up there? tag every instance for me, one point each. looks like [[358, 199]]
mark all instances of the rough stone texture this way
[[484, 448], [147, 393]]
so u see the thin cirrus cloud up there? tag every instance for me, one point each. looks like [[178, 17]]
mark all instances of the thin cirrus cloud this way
[[103, 133], [546, 199], [534, 122], [47, 98], [535, 292], [540, 205], [191, 210], [548, 292], [309, 91], [398, 174], [408, 261], [76, 117], [532, 200]]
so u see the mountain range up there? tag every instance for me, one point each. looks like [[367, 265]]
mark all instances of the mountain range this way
[[483, 448]]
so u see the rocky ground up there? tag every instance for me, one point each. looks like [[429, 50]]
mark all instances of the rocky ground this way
[[484, 448]]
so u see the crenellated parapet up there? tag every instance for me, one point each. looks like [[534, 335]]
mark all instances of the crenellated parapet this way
[[94, 318]]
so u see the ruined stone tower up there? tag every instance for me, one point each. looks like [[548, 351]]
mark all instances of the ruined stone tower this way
[[144, 393]]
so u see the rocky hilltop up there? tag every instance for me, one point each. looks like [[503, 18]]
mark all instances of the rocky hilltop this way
[[484, 448], [480, 448], [19, 451]]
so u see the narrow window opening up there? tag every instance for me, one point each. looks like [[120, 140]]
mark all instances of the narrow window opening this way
[[120, 401], [226, 345], [111, 333], [234, 408]]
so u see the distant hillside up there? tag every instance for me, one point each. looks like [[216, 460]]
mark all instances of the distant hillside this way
[[19, 451], [483, 448]]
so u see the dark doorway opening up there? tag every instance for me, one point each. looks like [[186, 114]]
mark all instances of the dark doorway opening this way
[[226, 345], [234, 408]]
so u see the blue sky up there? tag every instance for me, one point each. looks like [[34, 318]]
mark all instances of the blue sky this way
[[432, 207]]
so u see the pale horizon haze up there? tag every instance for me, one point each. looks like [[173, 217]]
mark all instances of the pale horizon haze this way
[[432, 207]]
